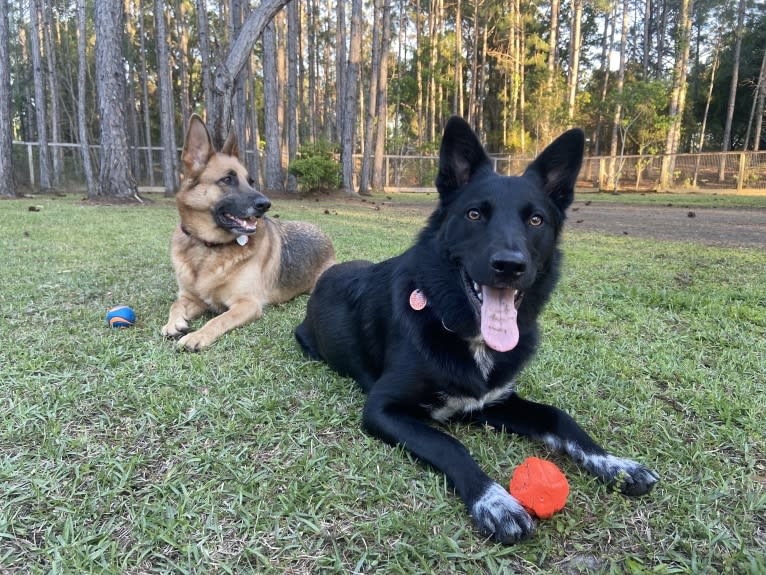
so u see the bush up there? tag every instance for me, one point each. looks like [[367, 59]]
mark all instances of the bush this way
[[316, 168]]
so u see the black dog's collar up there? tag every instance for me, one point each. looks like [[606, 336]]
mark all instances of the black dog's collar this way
[[215, 244]]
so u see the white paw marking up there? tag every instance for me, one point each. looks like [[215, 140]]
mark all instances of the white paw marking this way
[[497, 513], [629, 476]]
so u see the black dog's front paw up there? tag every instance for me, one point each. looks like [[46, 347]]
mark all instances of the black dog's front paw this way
[[626, 475], [638, 480], [497, 513]]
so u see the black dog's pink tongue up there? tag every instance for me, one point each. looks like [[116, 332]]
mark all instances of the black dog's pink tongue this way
[[498, 318]]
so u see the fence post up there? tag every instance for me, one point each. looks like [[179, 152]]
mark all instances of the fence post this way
[[31, 162], [741, 176], [601, 174]]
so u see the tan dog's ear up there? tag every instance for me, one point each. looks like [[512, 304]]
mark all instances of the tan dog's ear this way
[[198, 147], [231, 145]]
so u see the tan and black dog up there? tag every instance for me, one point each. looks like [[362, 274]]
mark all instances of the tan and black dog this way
[[229, 258]]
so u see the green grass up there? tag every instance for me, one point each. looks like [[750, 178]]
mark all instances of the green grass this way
[[119, 454]]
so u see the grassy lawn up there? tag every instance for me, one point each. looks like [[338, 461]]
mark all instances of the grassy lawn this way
[[119, 454]]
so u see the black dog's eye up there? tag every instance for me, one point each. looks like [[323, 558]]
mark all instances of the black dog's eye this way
[[536, 221], [473, 214]]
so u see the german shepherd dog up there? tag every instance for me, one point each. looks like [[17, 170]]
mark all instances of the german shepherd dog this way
[[440, 331], [228, 256]]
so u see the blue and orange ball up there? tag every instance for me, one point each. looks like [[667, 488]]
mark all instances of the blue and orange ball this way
[[120, 316]]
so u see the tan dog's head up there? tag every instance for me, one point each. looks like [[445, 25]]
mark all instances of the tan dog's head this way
[[216, 199]]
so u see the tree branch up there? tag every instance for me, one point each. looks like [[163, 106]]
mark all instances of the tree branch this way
[[219, 111]]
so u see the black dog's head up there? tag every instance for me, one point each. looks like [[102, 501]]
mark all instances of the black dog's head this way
[[501, 231]]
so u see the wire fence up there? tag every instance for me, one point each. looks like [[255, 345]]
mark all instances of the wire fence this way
[[740, 172]]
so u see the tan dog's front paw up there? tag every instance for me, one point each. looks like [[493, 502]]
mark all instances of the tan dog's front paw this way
[[195, 341], [174, 330]]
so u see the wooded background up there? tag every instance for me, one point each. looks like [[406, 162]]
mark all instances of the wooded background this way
[[120, 77]]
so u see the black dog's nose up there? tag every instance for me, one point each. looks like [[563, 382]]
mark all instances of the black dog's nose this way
[[508, 263]]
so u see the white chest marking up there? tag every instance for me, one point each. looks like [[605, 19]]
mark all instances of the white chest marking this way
[[455, 404], [480, 355]]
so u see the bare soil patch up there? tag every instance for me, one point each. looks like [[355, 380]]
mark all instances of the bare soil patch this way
[[725, 227], [728, 227]]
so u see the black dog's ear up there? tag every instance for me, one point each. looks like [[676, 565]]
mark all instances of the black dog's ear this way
[[461, 155], [557, 167]]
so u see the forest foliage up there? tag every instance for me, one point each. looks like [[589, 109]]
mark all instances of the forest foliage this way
[[640, 77]]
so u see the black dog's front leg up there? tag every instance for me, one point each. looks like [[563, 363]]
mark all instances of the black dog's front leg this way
[[494, 511], [560, 432]]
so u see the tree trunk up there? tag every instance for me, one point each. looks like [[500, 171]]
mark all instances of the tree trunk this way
[[738, 32], [169, 153], [646, 39], [115, 178], [7, 176], [133, 134], [482, 80], [82, 70], [341, 65], [401, 55], [612, 180], [759, 107], [757, 97], [574, 58], [27, 132], [661, 26], [280, 26], [437, 17], [372, 108], [41, 114], [607, 41], [291, 119], [182, 31], [327, 101], [203, 37], [553, 39], [254, 163], [713, 70], [239, 113], [53, 91], [473, 92], [419, 132], [311, 48], [378, 175], [145, 95], [457, 105], [678, 93], [350, 109], [522, 75], [272, 157]]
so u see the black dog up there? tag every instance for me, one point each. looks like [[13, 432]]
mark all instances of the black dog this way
[[442, 330]]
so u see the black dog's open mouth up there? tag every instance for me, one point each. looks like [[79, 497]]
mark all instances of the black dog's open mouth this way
[[497, 308]]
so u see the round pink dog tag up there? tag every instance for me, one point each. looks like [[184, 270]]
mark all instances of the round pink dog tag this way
[[417, 300]]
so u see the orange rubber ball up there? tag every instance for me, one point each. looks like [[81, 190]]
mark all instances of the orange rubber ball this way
[[540, 487]]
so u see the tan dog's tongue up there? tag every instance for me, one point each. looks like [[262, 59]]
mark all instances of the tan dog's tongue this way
[[498, 318]]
